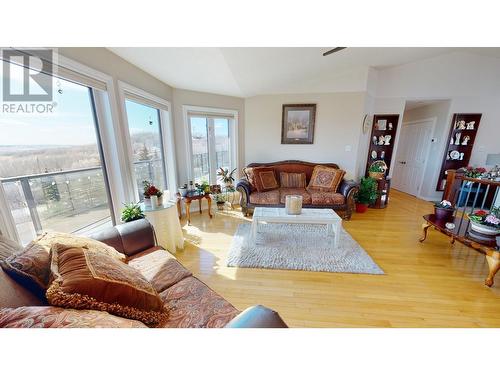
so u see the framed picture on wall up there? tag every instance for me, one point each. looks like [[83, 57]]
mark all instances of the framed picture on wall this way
[[298, 123]]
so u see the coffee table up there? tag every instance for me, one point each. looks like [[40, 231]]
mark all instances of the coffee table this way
[[308, 216]]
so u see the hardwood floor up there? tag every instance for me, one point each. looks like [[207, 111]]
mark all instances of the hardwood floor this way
[[430, 284]]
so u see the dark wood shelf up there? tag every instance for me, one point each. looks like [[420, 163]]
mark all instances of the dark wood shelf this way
[[466, 149]]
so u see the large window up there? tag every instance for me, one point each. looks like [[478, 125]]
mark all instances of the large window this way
[[146, 139], [212, 145], [51, 167]]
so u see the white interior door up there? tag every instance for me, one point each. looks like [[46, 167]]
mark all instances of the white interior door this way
[[413, 149]]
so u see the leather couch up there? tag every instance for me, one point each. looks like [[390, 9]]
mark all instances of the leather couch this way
[[191, 303], [342, 201]]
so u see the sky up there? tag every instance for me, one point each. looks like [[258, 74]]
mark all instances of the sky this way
[[71, 122]]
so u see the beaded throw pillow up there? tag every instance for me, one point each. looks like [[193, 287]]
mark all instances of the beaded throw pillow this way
[[89, 279], [325, 178]]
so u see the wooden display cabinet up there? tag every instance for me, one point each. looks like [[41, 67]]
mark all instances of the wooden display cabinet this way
[[382, 150]]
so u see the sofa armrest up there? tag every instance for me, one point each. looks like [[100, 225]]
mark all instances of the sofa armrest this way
[[257, 316], [346, 186], [244, 187]]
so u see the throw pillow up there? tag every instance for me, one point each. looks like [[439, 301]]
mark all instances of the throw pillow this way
[[265, 179], [326, 178], [292, 180], [57, 317], [30, 267], [48, 239], [89, 279]]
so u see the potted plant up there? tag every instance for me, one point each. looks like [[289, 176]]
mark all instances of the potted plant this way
[[204, 186], [220, 200], [366, 195], [226, 176], [183, 190], [486, 222], [377, 170], [131, 212], [444, 210], [151, 190]]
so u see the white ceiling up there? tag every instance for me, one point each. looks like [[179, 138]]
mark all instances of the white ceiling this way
[[247, 72]]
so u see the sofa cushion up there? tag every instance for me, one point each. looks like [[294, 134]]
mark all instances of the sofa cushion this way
[[192, 304], [326, 178], [30, 267], [329, 198], [48, 239], [266, 197], [265, 179], [306, 197], [57, 317], [292, 180], [89, 279], [160, 268]]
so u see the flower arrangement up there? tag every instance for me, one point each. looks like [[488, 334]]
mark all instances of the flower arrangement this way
[[150, 190], [444, 204], [444, 210], [473, 172], [489, 219], [380, 168]]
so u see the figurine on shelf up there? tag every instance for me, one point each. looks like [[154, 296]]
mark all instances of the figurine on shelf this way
[[457, 138], [390, 126], [374, 140], [466, 140], [381, 124], [382, 155], [387, 140], [381, 140], [461, 156], [470, 125], [460, 125], [452, 141]]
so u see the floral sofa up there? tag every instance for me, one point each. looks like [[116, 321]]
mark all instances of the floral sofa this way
[[341, 199], [189, 301]]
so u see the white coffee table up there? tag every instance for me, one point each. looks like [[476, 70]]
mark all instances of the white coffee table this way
[[308, 216]]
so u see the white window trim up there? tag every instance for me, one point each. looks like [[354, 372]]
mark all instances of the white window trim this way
[[111, 144], [210, 111], [166, 125]]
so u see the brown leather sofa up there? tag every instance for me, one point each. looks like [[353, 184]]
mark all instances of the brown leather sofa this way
[[342, 201], [191, 303]]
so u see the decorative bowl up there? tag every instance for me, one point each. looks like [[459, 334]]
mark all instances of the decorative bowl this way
[[484, 229]]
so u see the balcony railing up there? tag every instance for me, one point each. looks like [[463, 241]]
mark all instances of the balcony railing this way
[[68, 201]]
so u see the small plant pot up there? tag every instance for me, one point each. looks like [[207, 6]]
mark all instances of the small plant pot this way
[[444, 214], [361, 208]]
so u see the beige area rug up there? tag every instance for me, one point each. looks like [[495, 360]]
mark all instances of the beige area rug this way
[[307, 247]]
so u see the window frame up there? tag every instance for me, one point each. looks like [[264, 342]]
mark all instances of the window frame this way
[[189, 111], [164, 108]]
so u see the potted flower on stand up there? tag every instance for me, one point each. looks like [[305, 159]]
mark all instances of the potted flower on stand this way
[[220, 200], [366, 195], [149, 191], [444, 211], [131, 212], [486, 222], [226, 176]]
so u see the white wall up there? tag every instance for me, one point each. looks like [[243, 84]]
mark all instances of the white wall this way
[[470, 82], [441, 112], [339, 118]]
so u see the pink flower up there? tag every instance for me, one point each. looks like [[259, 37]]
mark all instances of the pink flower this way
[[492, 219]]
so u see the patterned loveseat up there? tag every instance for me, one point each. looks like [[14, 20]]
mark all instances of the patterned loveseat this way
[[341, 200]]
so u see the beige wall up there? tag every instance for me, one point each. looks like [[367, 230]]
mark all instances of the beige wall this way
[[338, 125], [194, 98]]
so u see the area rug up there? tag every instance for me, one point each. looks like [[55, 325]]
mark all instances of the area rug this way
[[306, 247]]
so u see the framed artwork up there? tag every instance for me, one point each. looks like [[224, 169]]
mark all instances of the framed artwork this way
[[298, 123]]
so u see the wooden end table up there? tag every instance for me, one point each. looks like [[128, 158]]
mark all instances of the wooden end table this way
[[193, 196]]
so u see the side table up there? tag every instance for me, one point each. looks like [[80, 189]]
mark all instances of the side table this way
[[188, 198], [167, 226]]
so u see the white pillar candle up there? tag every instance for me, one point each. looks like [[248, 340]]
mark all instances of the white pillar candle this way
[[293, 204]]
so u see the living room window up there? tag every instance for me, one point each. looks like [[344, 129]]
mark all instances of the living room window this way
[[52, 170], [212, 139]]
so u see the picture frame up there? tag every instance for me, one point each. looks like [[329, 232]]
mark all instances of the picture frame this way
[[297, 123]]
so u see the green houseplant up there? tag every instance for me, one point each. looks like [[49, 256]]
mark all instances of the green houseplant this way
[[220, 200], [366, 194], [131, 212], [226, 176]]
